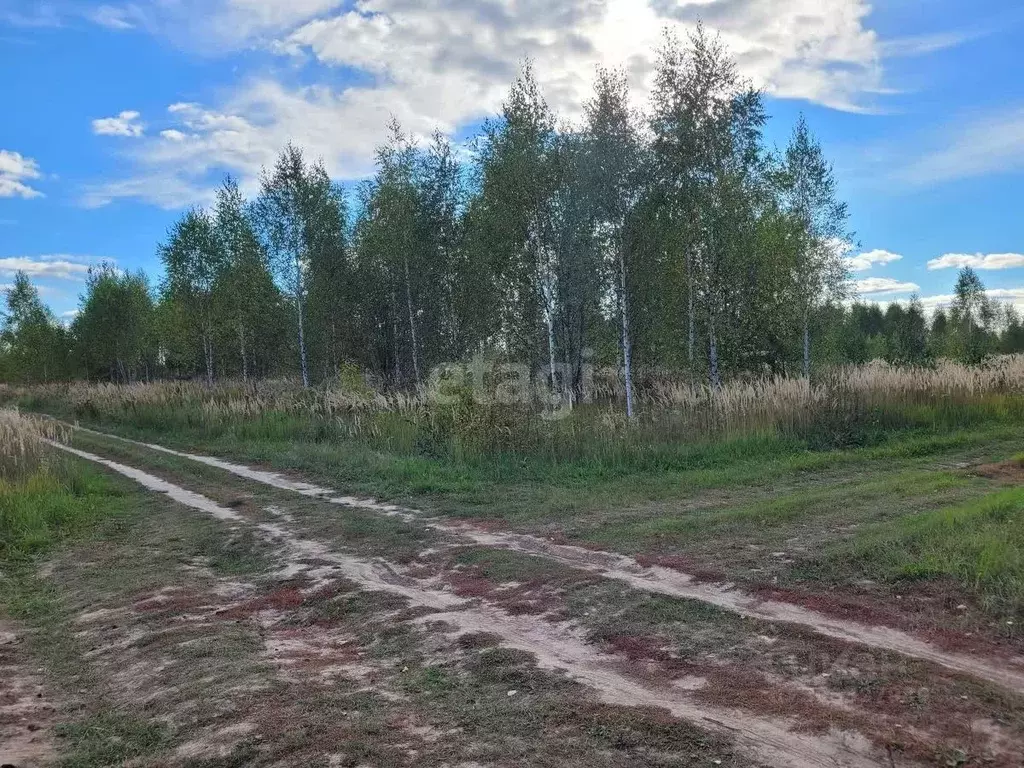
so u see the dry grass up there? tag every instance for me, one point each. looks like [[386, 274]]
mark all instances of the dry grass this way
[[843, 406], [23, 450]]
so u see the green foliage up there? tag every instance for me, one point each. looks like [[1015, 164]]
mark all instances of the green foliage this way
[[115, 330], [33, 347], [683, 245]]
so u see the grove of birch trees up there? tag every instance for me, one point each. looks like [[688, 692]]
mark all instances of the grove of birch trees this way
[[665, 236]]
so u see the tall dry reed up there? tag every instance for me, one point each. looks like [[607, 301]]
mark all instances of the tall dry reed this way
[[23, 447]]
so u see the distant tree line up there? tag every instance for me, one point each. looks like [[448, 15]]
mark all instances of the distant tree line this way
[[672, 239]]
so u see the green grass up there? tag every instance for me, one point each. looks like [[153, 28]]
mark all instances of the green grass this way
[[48, 506], [850, 484], [979, 544], [110, 738]]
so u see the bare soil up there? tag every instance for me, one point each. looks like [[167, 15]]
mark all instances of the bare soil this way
[[520, 651], [26, 715]]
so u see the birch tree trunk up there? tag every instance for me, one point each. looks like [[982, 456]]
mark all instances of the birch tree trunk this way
[[412, 323], [715, 376], [689, 299], [807, 346], [397, 356], [627, 343], [551, 347], [244, 353], [302, 329], [208, 355]]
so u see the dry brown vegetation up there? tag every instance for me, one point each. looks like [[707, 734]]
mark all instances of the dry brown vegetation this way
[[852, 405], [23, 446]]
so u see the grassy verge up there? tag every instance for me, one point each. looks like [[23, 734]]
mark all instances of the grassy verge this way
[[978, 545], [49, 506], [759, 508]]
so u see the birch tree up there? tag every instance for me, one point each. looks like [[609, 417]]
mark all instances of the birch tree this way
[[114, 330], [615, 156], [442, 200], [391, 244], [194, 261], [245, 290], [971, 316], [34, 345], [516, 182], [820, 273], [282, 214]]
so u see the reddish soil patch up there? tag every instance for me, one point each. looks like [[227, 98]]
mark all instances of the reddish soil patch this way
[[1011, 471], [686, 565], [287, 596], [651, 649], [531, 598], [924, 609], [176, 602]]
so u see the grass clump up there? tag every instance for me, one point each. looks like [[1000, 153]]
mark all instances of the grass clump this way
[[44, 496], [979, 544]]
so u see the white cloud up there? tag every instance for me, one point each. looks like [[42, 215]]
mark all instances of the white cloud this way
[[1013, 296], [44, 290], [14, 170], [977, 261], [114, 17], [970, 148], [884, 285], [162, 188], [43, 15], [125, 124], [921, 45], [447, 63], [862, 262], [57, 266]]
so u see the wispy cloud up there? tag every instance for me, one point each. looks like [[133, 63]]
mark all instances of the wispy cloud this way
[[125, 124], [1013, 296], [116, 17], [862, 262], [977, 261], [989, 144], [922, 45], [42, 15], [15, 169], [55, 266], [873, 286]]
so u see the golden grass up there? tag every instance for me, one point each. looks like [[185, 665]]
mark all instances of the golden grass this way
[[840, 400], [23, 447]]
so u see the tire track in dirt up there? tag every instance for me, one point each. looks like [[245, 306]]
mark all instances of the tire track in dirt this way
[[1007, 673], [557, 647], [26, 716]]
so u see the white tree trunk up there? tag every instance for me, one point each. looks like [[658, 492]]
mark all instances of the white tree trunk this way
[[689, 299], [412, 323], [807, 346], [551, 347], [715, 376], [302, 329], [244, 352], [627, 342], [208, 355]]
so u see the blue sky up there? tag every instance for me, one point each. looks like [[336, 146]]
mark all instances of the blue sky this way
[[118, 114]]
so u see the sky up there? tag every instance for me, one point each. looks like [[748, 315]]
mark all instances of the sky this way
[[118, 115]]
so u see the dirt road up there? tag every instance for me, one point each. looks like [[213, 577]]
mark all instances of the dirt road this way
[[772, 702]]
